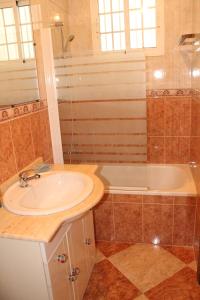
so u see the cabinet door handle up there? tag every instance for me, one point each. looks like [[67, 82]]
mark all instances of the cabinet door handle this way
[[62, 258], [88, 242], [72, 278], [75, 272]]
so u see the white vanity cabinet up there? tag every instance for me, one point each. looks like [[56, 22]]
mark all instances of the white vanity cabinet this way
[[81, 245], [58, 270]]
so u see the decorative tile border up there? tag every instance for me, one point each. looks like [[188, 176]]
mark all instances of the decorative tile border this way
[[169, 92], [15, 111], [196, 92]]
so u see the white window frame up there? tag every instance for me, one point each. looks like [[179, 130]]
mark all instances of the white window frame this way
[[12, 4], [158, 50]]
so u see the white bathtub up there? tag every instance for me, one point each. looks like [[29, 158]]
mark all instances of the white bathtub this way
[[148, 179]]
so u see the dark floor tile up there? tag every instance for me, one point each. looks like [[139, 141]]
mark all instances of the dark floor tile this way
[[111, 248], [186, 254], [107, 283], [181, 286]]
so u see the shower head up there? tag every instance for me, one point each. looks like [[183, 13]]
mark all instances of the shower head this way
[[70, 38]]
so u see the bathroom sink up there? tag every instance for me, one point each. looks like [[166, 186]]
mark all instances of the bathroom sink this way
[[53, 192]]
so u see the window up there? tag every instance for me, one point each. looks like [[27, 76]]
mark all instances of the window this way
[[16, 38], [128, 25]]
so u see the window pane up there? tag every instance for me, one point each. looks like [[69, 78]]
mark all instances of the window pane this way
[[28, 50], [149, 18], [24, 14], [1, 18], [136, 39], [106, 42], [102, 23], [3, 53], [149, 3], [107, 6], [150, 38], [117, 5], [135, 20], [103, 42], [104, 6], [108, 23], [2, 36], [11, 34], [109, 42], [13, 52], [118, 22], [26, 33], [119, 41], [101, 6], [133, 4], [8, 16], [123, 40]]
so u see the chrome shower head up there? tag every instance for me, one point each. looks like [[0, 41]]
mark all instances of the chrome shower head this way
[[71, 37]]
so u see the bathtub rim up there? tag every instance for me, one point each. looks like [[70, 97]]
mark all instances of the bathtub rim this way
[[189, 190]]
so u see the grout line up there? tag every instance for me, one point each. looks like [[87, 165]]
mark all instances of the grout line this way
[[173, 222], [195, 223], [31, 131], [13, 147], [113, 218], [143, 218]]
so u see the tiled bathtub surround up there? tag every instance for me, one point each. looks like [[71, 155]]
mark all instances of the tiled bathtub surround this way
[[169, 126], [114, 131], [24, 136], [146, 219], [195, 156]]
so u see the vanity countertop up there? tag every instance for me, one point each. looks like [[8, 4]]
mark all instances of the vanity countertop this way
[[43, 228]]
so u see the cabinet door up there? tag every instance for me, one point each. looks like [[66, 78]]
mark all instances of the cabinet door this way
[[88, 225], [59, 269], [78, 258]]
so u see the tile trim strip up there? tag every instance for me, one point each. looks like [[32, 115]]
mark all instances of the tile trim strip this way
[[169, 92], [15, 111]]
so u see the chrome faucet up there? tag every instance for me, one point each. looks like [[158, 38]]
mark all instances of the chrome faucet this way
[[26, 176]]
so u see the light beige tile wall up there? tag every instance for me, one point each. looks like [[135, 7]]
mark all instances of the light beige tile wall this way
[[178, 20], [79, 21], [43, 13], [176, 67]]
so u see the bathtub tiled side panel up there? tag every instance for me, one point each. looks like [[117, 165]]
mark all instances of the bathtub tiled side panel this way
[[158, 223], [184, 224], [136, 219], [128, 222], [103, 216]]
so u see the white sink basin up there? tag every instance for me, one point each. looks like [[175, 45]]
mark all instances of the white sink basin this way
[[53, 192]]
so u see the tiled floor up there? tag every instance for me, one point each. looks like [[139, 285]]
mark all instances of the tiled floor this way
[[143, 272]]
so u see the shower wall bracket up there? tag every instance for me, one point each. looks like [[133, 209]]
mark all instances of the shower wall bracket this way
[[190, 39]]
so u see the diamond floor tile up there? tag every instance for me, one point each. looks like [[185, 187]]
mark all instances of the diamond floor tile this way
[[181, 286], [193, 265], [107, 283], [146, 265], [143, 272], [99, 255], [186, 254], [142, 297]]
